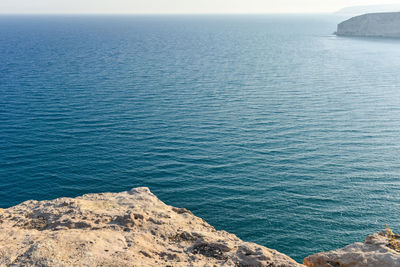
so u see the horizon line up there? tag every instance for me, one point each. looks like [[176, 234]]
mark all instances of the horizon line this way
[[165, 13]]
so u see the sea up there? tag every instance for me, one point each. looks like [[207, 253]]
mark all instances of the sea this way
[[266, 126]]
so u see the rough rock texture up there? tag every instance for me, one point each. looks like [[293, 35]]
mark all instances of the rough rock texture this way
[[372, 25], [120, 229], [376, 251]]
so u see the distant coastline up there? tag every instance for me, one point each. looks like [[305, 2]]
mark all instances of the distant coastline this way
[[371, 25]]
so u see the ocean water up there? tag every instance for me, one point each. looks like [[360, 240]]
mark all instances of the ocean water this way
[[269, 127]]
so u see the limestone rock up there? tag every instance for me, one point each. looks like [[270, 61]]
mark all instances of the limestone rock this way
[[377, 250], [120, 229]]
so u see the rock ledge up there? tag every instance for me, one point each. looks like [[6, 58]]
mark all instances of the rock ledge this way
[[376, 251], [120, 229]]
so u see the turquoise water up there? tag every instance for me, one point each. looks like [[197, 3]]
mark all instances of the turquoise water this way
[[269, 127]]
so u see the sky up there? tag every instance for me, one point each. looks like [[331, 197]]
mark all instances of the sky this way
[[179, 6]]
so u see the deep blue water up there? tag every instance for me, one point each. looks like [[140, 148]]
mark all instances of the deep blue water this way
[[269, 127]]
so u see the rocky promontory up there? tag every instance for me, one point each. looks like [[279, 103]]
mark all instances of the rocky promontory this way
[[130, 228], [371, 25], [135, 228]]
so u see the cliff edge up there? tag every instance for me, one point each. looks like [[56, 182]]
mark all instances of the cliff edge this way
[[371, 25], [135, 228], [120, 229]]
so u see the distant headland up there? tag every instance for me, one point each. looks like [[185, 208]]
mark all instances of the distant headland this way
[[371, 25]]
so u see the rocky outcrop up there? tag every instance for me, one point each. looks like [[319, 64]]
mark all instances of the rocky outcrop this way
[[135, 228], [379, 249], [120, 229], [371, 25]]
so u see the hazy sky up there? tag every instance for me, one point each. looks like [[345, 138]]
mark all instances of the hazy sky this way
[[179, 6]]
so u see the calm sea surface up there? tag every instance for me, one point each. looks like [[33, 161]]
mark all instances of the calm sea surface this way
[[269, 127]]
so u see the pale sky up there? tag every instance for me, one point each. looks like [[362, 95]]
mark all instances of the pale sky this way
[[180, 6]]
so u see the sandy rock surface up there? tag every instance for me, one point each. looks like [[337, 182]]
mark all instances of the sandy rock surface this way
[[120, 229], [376, 251]]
